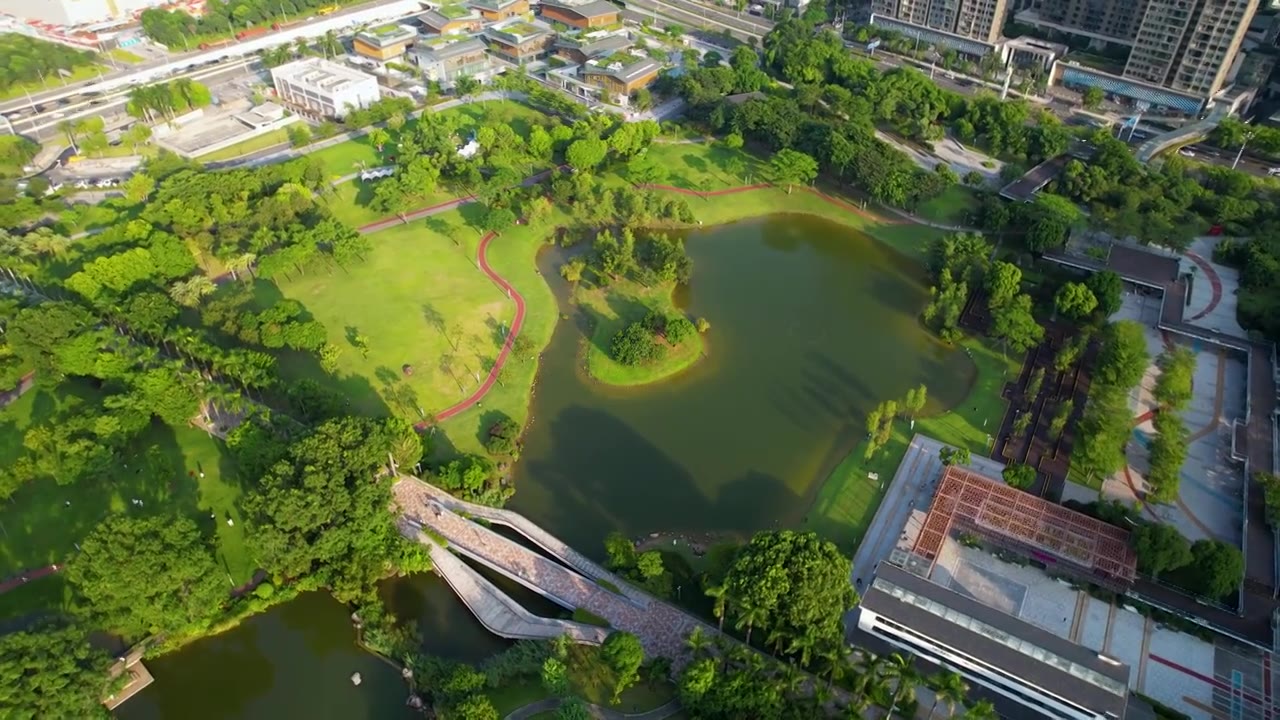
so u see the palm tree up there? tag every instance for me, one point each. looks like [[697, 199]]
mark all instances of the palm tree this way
[[719, 593], [949, 689], [191, 292], [804, 644], [68, 128], [750, 615], [902, 671], [241, 263], [697, 641], [775, 638], [835, 661], [981, 710], [790, 679]]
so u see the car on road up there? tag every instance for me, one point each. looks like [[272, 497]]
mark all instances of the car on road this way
[[1186, 152], [83, 184], [108, 182], [1273, 172], [55, 187]]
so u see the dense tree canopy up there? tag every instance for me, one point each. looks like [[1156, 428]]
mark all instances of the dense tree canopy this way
[[50, 670], [24, 59], [148, 575], [789, 583], [322, 511]]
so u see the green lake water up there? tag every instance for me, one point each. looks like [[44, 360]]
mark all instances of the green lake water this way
[[811, 326]]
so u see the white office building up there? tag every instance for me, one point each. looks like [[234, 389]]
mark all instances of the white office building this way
[[324, 88], [75, 12]]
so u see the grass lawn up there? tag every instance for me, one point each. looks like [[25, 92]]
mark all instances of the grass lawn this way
[[55, 80], [421, 301], [261, 142], [847, 501], [124, 56], [38, 527], [350, 202], [705, 166], [613, 308], [952, 207]]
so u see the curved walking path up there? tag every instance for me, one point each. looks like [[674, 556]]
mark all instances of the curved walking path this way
[[666, 710], [1215, 283], [517, 324]]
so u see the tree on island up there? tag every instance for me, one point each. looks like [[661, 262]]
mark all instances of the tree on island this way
[[791, 167], [1015, 326]]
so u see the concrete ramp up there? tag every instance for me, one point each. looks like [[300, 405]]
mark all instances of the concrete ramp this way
[[500, 615], [1185, 135]]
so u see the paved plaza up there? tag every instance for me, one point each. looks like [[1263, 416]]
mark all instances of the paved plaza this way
[[1211, 490]]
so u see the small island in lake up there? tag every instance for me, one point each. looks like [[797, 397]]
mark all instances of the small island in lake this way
[[624, 286]]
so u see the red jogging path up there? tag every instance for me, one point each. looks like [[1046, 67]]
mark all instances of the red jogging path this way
[[517, 324]]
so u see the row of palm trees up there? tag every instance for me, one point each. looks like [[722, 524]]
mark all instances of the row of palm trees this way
[[862, 675]]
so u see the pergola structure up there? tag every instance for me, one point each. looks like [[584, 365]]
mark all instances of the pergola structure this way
[[1046, 532]]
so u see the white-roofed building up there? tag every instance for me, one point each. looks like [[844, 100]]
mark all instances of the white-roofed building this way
[[324, 87]]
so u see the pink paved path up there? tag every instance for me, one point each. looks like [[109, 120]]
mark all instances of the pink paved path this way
[[481, 256], [17, 580]]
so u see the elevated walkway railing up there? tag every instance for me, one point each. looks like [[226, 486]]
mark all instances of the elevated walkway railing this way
[[499, 614], [1184, 135], [549, 543]]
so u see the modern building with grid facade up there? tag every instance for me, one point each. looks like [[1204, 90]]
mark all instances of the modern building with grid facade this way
[[324, 88], [1185, 47], [1047, 674], [980, 20]]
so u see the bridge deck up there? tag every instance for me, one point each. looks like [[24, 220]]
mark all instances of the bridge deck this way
[[660, 627], [500, 615], [551, 544]]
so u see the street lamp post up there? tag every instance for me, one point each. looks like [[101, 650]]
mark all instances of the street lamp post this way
[[1247, 137]]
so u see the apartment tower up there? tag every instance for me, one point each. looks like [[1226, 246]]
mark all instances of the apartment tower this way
[[1189, 45], [976, 19], [1183, 45]]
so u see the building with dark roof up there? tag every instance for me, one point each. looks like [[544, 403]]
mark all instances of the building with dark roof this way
[[581, 13], [1050, 675]]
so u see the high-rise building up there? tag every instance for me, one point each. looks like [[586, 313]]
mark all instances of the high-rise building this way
[[1109, 20], [1189, 46], [1181, 52], [980, 20]]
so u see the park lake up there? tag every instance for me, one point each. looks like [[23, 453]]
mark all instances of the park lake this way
[[812, 325]]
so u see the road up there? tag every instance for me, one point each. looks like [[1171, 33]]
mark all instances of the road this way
[[377, 10]]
